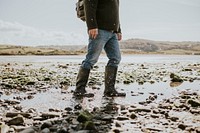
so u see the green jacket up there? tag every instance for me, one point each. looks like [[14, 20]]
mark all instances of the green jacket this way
[[102, 14]]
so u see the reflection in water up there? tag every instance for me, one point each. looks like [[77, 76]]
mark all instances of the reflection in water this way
[[54, 98], [175, 84]]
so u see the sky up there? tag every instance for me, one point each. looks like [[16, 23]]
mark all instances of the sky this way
[[54, 22]]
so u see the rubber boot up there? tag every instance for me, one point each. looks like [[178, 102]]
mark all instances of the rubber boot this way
[[81, 81], [110, 78]]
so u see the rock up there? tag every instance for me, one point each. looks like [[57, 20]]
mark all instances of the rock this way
[[152, 98], [95, 109], [84, 116], [154, 116], [18, 120], [122, 118], [184, 106], [18, 107], [68, 109], [123, 107], [78, 107], [133, 116], [89, 95], [31, 83], [46, 125], [31, 110], [156, 111], [107, 118], [53, 129], [28, 130], [13, 102], [193, 103], [117, 124], [182, 126], [195, 111], [133, 106], [54, 110], [13, 114], [46, 130], [126, 81], [18, 128], [165, 106], [37, 118], [173, 118], [47, 79], [141, 93], [152, 82], [63, 130], [175, 78], [187, 70], [111, 108], [89, 125], [116, 131], [63, 66], [30, 97], [124, 112], [141, 82], [152, 129], [49, 115], [140, 110], [134, 94]]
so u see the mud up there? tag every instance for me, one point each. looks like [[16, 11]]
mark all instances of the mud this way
[[161, 96]]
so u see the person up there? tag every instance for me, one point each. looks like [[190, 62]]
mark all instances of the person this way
[[102, 19]]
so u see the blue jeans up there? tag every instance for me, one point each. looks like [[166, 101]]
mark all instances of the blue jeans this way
[[109, 42]]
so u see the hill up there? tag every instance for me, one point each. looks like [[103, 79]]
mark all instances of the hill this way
[[159, 47], [131, 46], [40, 50]]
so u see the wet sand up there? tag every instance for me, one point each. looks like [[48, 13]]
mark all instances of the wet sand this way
[[162, 95]]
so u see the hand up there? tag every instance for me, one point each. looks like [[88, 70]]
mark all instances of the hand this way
[[93, 33], [119, 36]]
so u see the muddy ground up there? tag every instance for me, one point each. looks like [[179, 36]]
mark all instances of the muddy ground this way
[[160, 97]]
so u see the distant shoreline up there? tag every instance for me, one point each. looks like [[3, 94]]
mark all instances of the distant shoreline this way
[[131, 46], [63, 53]]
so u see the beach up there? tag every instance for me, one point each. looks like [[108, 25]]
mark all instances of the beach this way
[[162, 95]]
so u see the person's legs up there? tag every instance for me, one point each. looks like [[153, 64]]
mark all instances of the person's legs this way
[[81, 81], [114, 55], [113, 51], [95, 47]]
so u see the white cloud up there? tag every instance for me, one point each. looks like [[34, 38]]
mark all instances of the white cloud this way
[[16, 33]]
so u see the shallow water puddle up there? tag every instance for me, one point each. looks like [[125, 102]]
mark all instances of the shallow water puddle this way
[[57, 99]]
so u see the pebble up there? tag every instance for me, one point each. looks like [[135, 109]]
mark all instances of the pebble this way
[[46, 125], [133, 116], [117, 124], [18, 120], [13, 114], [28, 130], [122, 118], [182, 126], [193, 103], [46, 130]]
